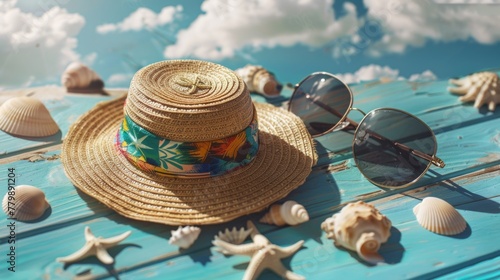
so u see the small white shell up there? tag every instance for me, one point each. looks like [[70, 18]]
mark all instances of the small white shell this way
[[79, 76], [29, 203], [359, 227], [184, 237], [483, 88], [233, 236], [289, 213], [439, 216], [26, 116], [259, 80]]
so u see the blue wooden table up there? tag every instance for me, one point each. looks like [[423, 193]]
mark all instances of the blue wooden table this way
[[468, 141]]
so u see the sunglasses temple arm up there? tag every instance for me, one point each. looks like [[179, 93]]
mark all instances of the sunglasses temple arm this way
[[331, 110], [432, 159]]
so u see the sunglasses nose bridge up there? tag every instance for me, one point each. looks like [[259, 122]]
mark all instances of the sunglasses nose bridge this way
[[359, 110]]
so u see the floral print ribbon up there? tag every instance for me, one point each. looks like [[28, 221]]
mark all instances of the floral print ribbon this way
[[154, 154]]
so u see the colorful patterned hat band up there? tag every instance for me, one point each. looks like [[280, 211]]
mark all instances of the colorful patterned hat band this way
[[165, 157]]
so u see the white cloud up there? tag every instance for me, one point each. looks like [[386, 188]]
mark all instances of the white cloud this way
[[119, 79], [414, 22], [425, 76], [142, 18], [106, 28], [90, 58], [368, 73], [226, 27], [36, 48], [376, 72]]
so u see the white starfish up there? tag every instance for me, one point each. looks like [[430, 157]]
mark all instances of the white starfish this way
[[482, 88], [95, 246], [264, 254]]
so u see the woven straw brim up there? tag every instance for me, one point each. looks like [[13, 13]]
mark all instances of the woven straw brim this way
[[284, 160]]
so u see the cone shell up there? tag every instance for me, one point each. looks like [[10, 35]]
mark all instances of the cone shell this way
[[233, 236], [184, 237], [439, 216], [26, 116], [79, 76], [259, 80], [483, 88], [289, 213], [29, 203], [359, 227]]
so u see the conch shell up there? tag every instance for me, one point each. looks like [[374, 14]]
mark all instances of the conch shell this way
[[80, 78], [184, 237], [482, 87], [25, 203], [259, 80], [26, 116], [359, 227], [289, 213], [439, 216]]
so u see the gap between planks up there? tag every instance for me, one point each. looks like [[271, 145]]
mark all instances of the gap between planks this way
[[39, 150]]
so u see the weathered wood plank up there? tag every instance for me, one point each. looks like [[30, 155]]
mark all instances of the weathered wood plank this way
[[489, 269], [409, 246], [324, 188], [469, 142]]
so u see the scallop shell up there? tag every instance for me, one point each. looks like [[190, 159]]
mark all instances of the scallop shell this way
[[28, 203], [26, 116], [259, 80], [78, 76], [289, 213], [439, 216], [359, 227], [233, 236], [482, 88], [184, 237]]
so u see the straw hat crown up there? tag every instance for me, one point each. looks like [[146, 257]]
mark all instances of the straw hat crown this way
[[190, 101]]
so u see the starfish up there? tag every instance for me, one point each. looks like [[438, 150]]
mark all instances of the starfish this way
[[95, 246], [193, 86], [264, 254]]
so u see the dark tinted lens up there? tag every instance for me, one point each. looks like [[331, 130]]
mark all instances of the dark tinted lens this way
[[379, 159], [321, 100]]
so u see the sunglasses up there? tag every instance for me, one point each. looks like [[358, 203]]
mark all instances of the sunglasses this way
[[391, 148]]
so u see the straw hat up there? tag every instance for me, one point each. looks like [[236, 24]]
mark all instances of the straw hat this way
[[188, 147]]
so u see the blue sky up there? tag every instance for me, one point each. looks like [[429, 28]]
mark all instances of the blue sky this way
[[361, 40]]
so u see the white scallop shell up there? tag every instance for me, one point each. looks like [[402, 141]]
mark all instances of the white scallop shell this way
[[28, 203], [259, 80], [233, 236], [439, 216], [482, 88], [359, 227], [79, 76], [289, 213], [184, 237], [26, 116]]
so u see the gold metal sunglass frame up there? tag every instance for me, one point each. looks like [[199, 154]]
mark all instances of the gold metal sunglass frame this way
[[431, 159]]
